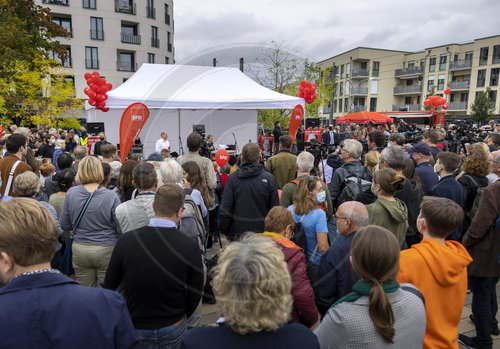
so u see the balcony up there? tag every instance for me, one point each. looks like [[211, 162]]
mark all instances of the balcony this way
[[407, 107], [131, 39], [461, 65], [129, 9], [359, 91], [155, 42], [150, 12], [459, 85], [357, 108], [96, 34], [56, 2], [457, 106], [410, 72], [360, 73], [91, 64], [408, 90], [126, 66]]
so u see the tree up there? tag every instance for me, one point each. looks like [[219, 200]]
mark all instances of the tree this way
[[482, 108]]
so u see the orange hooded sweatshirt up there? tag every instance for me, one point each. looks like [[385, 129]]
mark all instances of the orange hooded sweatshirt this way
[[440, 273]]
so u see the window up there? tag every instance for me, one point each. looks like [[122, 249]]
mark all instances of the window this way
[[63, 22], [154, 37], [125, 6], [481, 77], [167, 60], [56, 2], [342, 71], [496, 54], [432, 64], [364, 66], [411, 64], [373, 104], [408, 100], [483, 56], [430, 82], [374, 87], [89, 4], [493, 97], [126, 61], [151, 58], [441, 82], [464, 97], [442, 61], [67, 62], [150, 9], [375, 68], [96, 32], [341, 89], [340, 105], [348, 70], [91, 58], [347, 88], [167, 15], [346, 104], [129, 34], [494, 76], [468, 56], [455, 57], [169, 42]]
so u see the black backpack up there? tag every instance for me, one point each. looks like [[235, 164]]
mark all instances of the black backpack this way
[[299, 236], [191, 222], [477, 198], [356, 189]]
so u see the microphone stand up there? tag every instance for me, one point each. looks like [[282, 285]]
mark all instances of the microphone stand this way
[[235, 143]]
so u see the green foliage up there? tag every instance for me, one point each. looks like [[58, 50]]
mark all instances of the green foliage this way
[[482, 109]]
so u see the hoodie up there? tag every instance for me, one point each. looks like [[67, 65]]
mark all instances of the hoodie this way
[[392, 215], [440, 273]]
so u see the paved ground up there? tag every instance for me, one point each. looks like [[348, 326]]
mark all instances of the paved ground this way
[[211, 313]]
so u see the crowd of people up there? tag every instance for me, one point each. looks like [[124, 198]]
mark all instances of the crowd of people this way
[[374, 245]]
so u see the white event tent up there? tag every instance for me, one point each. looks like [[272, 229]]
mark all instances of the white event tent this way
[[225, 100]]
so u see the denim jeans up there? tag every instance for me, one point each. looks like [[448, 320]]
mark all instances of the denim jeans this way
[[484, 307], [162, 338], [333, 236]]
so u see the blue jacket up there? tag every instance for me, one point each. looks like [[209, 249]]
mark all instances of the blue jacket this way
[[335, 274], [427, 176], [52, 311]]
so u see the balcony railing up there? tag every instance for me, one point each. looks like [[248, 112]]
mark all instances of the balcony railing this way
[[96, 34], [130, 9], [169, 47], [357, 91], [155, 42], [457, 106], [410, 71], [413, 89], [56, 2], [360, 73], [459, 85], [92, 64], [357, 108], [126, 66], [150, 12], [407, 107], [131, 39], [458, 65]]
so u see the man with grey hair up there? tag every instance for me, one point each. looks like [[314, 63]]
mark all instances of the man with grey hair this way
[[335, 275], [79, 153], [350, 155]]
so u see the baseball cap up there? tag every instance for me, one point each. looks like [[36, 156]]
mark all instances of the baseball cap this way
[[420, 147], [155, 157]]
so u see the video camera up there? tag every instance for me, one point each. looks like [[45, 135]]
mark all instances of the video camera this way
[[204, 151]]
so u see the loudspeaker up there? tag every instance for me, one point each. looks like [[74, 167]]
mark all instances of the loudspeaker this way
[[199, 128], [93, 128], [312, 123]]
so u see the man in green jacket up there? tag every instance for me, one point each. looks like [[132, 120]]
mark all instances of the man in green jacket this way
[[282, 165]]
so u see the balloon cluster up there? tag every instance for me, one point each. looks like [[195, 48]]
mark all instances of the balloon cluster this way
[[437, 102], [307, 90], [96, 90]]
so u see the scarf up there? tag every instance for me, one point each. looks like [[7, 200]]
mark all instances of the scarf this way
[[362, 288]]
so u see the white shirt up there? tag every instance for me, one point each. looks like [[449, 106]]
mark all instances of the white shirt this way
[[161, 144]]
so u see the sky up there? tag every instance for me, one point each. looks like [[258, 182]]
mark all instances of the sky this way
[[319, 29]]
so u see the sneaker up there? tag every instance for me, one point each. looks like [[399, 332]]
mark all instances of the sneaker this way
[[469, 342], [494, 331]]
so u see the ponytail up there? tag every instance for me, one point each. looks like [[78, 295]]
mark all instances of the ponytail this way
[[381, 312]]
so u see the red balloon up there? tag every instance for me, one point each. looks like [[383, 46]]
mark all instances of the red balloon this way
[[314, 86], [447, 91], [308, 90], [95, 73], [432, 110], [109, 86], [90, 81], [92, 102], [101, 104], [91, 93], [445, 106], [96, 79], [301, 89], [99, 98], [86, 90], [95, 88], [102, 81], [303, 83], [427, 103], [301, 94], [221, 157], [87, 76], [105, 109], [105, 96], [103, 88]]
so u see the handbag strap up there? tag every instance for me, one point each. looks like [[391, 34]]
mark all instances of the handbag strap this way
[[84, 208], [11, 177], [314, 253]]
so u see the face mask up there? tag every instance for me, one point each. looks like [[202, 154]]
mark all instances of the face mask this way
[[53, 141], [436, 168], [330, 128], [101, 138], [320, 197], [373, 191]]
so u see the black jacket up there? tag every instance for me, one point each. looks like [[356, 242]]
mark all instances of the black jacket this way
[[276, 134], [46, 151], [336, 185], [249, 194]]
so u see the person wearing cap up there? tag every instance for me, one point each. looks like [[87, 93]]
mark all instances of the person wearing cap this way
[[421, 154]]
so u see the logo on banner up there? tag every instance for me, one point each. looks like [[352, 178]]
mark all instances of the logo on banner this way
[[131, 124], [136, 117]]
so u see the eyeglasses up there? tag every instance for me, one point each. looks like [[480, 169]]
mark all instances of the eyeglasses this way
[[496, 162], [337, 217]]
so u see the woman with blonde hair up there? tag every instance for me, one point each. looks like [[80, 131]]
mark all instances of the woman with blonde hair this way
[[387, 211], [372, 160], [253, 290], [307, 196], [96, 232], [379, 313]]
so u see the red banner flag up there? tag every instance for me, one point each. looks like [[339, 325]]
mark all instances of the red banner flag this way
[[295, 121], [133, 119]]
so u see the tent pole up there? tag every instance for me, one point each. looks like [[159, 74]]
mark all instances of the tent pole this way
[[181, 149]]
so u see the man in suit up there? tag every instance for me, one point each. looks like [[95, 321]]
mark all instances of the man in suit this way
[[329, 137]]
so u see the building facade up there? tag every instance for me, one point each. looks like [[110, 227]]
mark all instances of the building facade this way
[[385, 80], [113, 37]]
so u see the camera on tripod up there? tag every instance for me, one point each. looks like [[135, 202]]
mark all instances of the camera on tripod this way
[[204, 151]]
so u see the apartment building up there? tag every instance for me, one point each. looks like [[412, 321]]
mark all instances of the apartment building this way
[[113, 37], [386, 80]]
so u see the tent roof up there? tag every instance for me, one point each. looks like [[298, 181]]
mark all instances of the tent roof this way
[[195, 87]]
